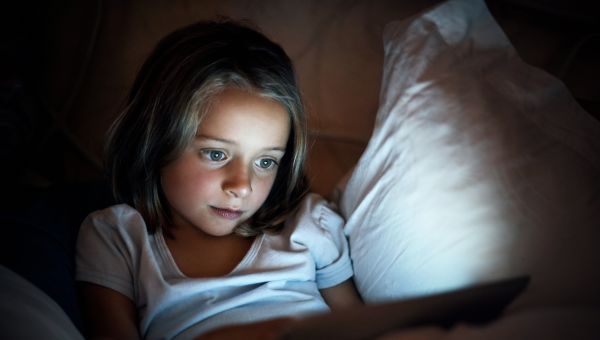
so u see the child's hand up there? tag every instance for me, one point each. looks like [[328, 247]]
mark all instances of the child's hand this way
[[271, 329]]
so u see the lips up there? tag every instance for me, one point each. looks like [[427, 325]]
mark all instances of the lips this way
[[227, 213]]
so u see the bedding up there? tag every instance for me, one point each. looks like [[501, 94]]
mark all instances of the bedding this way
[[480, 167], [34, 308]]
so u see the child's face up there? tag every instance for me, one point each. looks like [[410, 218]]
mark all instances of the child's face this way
[[226, 174]]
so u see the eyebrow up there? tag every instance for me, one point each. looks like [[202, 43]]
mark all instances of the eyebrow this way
[[227, 141]]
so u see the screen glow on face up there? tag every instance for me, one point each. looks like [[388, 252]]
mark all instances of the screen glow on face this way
[[227, 172]]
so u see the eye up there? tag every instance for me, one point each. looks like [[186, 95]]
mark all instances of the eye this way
[[214, 155], [266, 163]]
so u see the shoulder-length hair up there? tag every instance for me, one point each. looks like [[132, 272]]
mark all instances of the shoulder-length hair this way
[[171, 95]]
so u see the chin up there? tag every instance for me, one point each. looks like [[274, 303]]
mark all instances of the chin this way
[[222, 232]]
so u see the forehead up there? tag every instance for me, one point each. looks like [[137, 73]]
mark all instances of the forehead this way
[[246, 117]]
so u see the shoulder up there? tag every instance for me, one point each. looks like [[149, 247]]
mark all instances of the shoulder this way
[[109, 249], [117, 233], [316, 224], [115, 213], [315, 212], [120, 218], [318, 227]]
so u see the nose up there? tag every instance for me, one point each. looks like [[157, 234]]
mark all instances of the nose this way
[[238, 182]]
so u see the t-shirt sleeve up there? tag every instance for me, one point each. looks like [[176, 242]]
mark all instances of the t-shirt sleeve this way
[[105, 253], [324, 236]]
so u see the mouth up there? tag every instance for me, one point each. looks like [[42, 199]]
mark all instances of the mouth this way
[[228, 214]]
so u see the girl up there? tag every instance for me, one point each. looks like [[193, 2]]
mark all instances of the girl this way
[[215, 228]]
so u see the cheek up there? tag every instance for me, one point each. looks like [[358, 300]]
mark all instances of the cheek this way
[[184, 184], [197, 187], [263, 188]]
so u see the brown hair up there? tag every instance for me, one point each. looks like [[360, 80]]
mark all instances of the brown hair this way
[[170, 96]]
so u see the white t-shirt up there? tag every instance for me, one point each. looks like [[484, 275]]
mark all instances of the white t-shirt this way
[[280, 275]]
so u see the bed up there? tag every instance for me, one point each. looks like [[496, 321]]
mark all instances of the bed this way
[[470, 166]]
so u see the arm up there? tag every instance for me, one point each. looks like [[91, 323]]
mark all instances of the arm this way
[[263, 330], [108, 314], [342, 296]]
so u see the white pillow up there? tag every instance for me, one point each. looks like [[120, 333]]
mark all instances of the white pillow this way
[[480, 167]]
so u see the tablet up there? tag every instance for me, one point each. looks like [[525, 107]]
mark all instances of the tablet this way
[[475, 304]]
